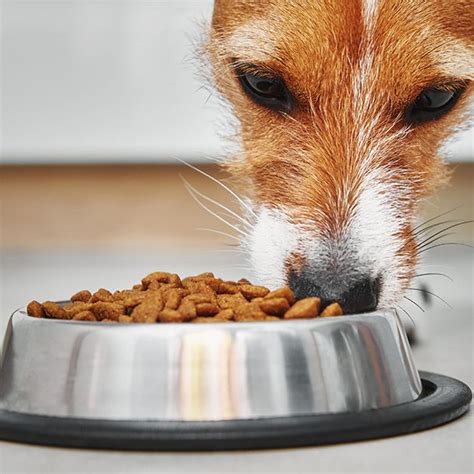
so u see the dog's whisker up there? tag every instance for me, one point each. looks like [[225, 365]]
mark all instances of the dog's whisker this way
[[215, 213], [232, 251], [460, 244], [457, 224], [216, 203], [426, 238], [213, 159], [407, 313], [208, 98], [215, 180], [215, 231], [437, 217], [436, 265], [434, 239], [415, 303], [423, 290], [432, 226], [200, 88], [419, 275]]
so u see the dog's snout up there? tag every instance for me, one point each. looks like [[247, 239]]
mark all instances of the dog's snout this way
[[358, 297]]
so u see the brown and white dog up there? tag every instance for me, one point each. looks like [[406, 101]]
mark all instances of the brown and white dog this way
[[342, 105]]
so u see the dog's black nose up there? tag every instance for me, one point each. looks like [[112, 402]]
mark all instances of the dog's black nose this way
[[359, 297]]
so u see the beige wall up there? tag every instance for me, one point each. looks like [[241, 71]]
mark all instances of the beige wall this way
[[124, 206]]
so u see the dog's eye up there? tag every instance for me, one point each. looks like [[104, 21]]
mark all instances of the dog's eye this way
[[270, 92], [432, 104]]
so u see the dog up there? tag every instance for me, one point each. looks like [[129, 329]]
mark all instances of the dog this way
[[342, 108]]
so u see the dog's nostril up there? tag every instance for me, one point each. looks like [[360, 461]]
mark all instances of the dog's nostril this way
[[361, 296]]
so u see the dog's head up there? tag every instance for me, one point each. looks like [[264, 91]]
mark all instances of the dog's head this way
[[342, 108]]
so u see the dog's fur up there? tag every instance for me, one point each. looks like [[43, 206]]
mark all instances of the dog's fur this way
[[336, 183]]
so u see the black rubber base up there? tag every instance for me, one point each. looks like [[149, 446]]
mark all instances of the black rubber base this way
[[443, 399]]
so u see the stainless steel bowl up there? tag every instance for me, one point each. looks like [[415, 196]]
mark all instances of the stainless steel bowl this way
[[206, 372]]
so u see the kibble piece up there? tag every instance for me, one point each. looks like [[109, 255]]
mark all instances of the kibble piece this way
[[244, 281], [145, 312], [173, 296], [35, 309], [230, 301], [102, 295], [249, 312], [228, 288], [53, 310], [156, 285], [204, 275], [172, 299], [151, 320], [253, 291], [175, 280], [204, 319], [206, 309], [226, 314], [304, 309], [197, 298], [171, 316], [83, 295], [206, 279], [155, 297], [187, 310], [199, 287], [120, 295], [130, 301], [76, 304], [125, 319], [213, 283], [84, 316], [333, 309], [77, 307], [149, 309], [104, 310], [161, 277], [284, 292], [272, 318], [274, 306]]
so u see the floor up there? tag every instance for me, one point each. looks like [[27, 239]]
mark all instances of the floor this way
[[445, 346]]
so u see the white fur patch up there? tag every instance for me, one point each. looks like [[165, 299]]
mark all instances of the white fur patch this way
[[251, 40], [373, 229], [369, 8], [269, 243], [455, 58], [365, 72]]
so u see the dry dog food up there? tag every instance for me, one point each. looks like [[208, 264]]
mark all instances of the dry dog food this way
[[164, 298]]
